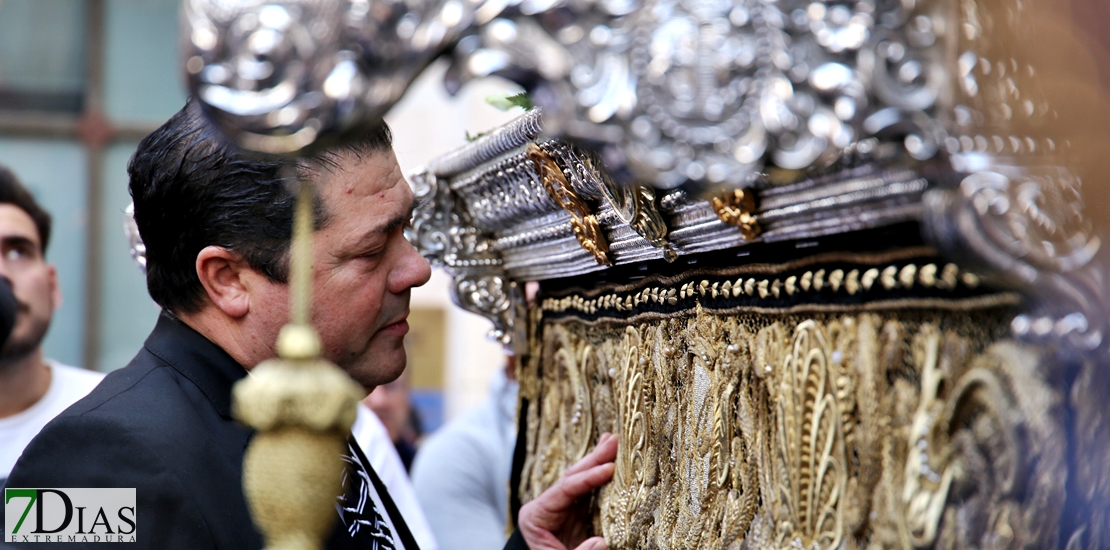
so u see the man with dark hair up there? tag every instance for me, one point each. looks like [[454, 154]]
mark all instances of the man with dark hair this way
[[33, 389], [216, 224]]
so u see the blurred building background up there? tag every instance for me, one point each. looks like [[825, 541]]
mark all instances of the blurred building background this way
[[82, 81]]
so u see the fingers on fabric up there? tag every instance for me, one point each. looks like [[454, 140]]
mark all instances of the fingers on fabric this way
[[547, 511], [593, 543], [575, 486], [604, 451]]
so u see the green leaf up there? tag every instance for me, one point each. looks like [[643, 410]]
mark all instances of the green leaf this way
[[506, 101]]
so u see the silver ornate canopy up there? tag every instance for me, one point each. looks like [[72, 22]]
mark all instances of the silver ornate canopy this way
[[684, 126]]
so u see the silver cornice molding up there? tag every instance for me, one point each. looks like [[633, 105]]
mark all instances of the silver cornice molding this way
[[499, 141], [491, 223], [485, 215]]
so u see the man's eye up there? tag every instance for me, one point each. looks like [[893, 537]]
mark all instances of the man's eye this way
[[16, 254]]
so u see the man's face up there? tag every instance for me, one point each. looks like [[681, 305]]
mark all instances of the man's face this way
[[364, 267], [34, 282]]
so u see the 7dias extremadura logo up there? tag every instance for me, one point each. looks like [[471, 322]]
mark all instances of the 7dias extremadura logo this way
[[69, 515]]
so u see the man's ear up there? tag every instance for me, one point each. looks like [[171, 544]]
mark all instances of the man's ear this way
[[223, 275], [55, 288]]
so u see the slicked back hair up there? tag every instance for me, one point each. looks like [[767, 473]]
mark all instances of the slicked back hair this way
[[12, 192], [193, 189]]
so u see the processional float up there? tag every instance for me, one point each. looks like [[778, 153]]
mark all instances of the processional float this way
[[824, 266]]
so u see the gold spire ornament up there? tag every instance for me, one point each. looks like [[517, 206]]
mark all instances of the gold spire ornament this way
[[303, 407]]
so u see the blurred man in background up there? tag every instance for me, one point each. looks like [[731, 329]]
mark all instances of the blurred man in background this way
[[392, 403], [462, 472], [33, 389]]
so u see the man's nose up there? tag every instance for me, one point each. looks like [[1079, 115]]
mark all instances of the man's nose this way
[[412, 270]]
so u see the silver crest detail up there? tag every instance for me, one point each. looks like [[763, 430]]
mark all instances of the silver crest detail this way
[[444, 231]]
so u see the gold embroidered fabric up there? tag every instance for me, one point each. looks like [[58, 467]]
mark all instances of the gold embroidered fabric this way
[[916, 424]]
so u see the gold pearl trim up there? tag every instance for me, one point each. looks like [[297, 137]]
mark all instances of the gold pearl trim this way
[[851, 283]]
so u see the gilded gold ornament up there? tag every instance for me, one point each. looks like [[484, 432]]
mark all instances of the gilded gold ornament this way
[[583, 222], [737, 207]]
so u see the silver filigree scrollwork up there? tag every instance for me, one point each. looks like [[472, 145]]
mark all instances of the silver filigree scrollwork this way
[[285, 76], [492, 296], [696, 70], [1027, 230], [262, 70], [670, 92], [433, 217], [479, 282], [696, 93]]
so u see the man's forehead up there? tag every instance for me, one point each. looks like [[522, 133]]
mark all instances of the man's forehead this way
[[364, 171], [366, 196], [375, 176], [14, 222]]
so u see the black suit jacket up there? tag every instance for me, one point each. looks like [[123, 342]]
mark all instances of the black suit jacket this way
[[163, 426]]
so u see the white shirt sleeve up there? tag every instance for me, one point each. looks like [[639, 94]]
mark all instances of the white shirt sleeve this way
[[372, 437]]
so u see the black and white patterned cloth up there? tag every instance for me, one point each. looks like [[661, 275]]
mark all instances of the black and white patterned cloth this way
[[360, 515]]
